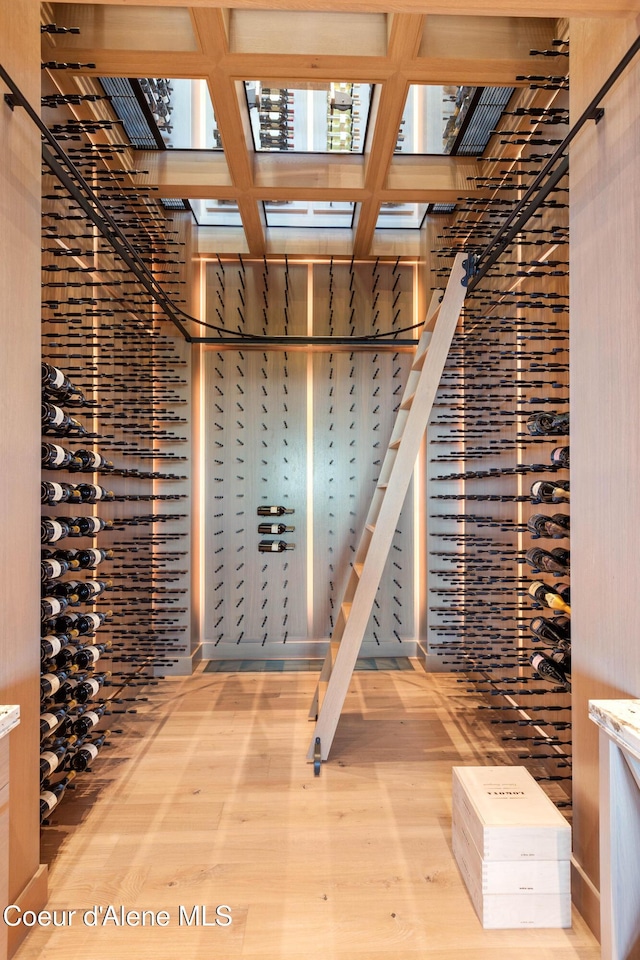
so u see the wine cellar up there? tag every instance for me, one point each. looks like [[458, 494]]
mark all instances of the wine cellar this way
[[304, 311]]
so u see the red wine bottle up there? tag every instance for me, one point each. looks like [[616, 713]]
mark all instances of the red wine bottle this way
[[273, 511], [274, 528]]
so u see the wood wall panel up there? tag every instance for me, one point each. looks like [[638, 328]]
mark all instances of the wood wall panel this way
[[20, 432], [605, 405]]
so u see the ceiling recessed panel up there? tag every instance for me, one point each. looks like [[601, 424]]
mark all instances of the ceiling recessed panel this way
[[432, 118], [329, 118], [308, 213]]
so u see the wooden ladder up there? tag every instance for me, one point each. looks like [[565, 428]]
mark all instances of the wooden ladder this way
[[395, 474]]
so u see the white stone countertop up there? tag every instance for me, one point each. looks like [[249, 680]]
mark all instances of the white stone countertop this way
[[9, 718], [620, 719]]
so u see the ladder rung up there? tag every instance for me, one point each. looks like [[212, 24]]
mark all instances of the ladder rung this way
[[357, 569], [382, 486], [346, 610], [419, 360], [395, 444], [407, 403], [371, 527]]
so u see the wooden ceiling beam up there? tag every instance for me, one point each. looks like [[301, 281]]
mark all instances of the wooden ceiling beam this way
[[404, 38], [485, 8], [203, 174], [212, 30]]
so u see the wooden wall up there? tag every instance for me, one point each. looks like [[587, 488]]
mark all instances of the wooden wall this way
[[20, 435], [605, 410]]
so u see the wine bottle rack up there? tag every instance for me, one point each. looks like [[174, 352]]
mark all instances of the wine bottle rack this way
[[110, 337], [508, 361]]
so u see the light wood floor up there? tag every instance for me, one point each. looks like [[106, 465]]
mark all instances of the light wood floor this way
[[210, 801]]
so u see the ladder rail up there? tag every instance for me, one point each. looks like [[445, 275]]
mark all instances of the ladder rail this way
[[352, 623]]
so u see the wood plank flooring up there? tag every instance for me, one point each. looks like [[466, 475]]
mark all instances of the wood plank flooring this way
[[208, 800]]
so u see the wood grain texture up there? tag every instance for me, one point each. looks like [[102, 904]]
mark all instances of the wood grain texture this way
[[509, 8], [362, 853], [605, 291], [20, 432]]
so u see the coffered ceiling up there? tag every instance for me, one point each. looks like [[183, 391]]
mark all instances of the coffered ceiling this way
[[311, 43]]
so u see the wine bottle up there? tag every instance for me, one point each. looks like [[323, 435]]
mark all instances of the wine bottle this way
[[545, 491], [54, 382], [553, 527], [87, 752], [555, 630], [50, 683], [53, 418], [52, 569], [88, 526], [91, 493], [275, 546], [89, 655], [53, 754], [51, 719], [560, 456], [88, 461], [63, 588], [52, 493], [60, 424], [88, 590], [549, 596], [548, 424], [88, 688], [87, 720], [51, 795], [89, 622], [274, 528], [273, 511], [67, 557], [554, 561], [53, 530], [88, 559], [550, 669], [52, 606], [54, 456]]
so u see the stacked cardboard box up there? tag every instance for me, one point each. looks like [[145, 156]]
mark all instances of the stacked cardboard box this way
[[513, 848]]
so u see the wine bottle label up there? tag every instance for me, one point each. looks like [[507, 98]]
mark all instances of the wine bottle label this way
[[49, 798], [58, 378], [91, 716], [51, 606], [94, 585], [275, 547], [51, 759], [54, 568], [274, 528], [93, 685], [56, 530], [52, 681], [93, 524], [94, 459], [93, 652], [94, 620], [54, 645], [58, 415], [59, 454], [273, 510], [95, 557], [57, 493], [91, 749], [50, 719]]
